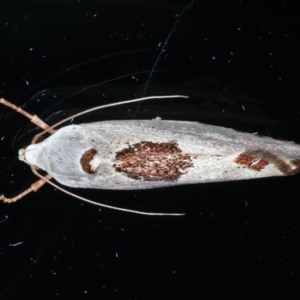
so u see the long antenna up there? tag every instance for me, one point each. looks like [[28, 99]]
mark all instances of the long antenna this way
[[105, 106], [101, 204]]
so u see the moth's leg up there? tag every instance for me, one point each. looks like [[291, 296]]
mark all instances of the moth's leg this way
[[33, 118], [33, 188], [40, 123]]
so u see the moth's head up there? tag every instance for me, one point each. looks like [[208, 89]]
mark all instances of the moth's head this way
[[22, 154], [29, 154]]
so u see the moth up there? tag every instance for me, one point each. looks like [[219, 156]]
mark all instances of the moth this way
[[146, 154]]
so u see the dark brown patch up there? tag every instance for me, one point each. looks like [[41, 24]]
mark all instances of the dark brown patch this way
[[152, 161], [296, 163], [86, 157], [251, 161], [258, 159], [260, 164]]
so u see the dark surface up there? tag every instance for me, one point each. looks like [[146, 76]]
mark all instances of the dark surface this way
[[239, 63]]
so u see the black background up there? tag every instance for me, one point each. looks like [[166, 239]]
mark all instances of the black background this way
[[239, 63]]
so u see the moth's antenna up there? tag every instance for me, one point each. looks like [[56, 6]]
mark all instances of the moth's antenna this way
[[105, 106], [33, 118], [101, 204], [116, 104]]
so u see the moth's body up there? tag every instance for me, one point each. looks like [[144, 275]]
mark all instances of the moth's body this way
[[140, 154]]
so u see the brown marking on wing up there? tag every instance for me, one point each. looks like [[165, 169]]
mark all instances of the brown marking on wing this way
[[152, 161], [257, 159], [259, 165], [296, 163], [251, 161], [86, 157]]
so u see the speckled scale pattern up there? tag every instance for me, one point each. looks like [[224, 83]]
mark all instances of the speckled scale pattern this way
[[152, 161]]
